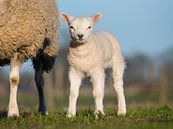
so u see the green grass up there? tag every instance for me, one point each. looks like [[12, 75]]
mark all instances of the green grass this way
[[136, 118], [144, 112]]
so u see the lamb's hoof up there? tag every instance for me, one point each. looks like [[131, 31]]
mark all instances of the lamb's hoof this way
[[70, 115], [12, 113], [121, 112], [99, 114]]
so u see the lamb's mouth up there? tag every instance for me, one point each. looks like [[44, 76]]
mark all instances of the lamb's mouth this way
[[81, 40]]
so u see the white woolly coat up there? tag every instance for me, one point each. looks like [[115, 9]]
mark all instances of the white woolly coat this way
[[99, 51]]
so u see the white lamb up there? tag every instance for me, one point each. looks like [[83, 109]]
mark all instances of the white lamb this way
[[89, 54]]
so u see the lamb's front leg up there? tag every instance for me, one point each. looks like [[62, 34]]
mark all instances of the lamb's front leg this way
[[98, 80], [13, 110], [75, 78]]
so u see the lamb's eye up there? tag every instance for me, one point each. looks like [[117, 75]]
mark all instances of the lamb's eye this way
[[89, 27], [71, 27]]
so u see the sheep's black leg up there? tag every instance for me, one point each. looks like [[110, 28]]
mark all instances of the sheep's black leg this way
[[40, 86]]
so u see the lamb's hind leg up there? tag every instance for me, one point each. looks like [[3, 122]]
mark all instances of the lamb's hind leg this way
[[15, 65], [39, 79], [118, 71]]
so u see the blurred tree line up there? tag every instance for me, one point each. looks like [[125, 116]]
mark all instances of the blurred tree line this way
[[141, 69]]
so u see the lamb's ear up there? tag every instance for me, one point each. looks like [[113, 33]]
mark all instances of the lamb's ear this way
[[66, 18], [96, 18]]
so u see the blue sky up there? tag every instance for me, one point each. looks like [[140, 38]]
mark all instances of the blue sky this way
[[141, 26]]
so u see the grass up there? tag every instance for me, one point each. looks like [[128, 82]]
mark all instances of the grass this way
[[136, 118], [144, 112]]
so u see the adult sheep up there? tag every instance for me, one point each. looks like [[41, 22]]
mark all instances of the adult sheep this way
[[28, 30]]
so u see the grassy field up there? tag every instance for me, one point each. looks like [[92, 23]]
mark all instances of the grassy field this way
[[144, 112], [136, 118]]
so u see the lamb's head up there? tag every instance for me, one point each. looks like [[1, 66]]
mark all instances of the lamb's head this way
[[80, 27]]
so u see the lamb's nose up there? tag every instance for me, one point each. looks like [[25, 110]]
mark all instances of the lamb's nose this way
[[80, 35]]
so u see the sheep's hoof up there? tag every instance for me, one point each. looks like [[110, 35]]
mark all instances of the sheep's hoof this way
[[44, 113], [12, 113], [99, 114], [121, 112], [70, 115]]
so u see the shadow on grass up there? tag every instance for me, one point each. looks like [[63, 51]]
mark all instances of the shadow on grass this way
[[3, 114]]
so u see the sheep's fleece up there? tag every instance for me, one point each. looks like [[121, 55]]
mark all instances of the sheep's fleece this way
[[29, 27]]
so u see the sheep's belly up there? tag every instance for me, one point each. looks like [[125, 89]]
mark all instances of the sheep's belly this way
[[4, 62], [6, 53]]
